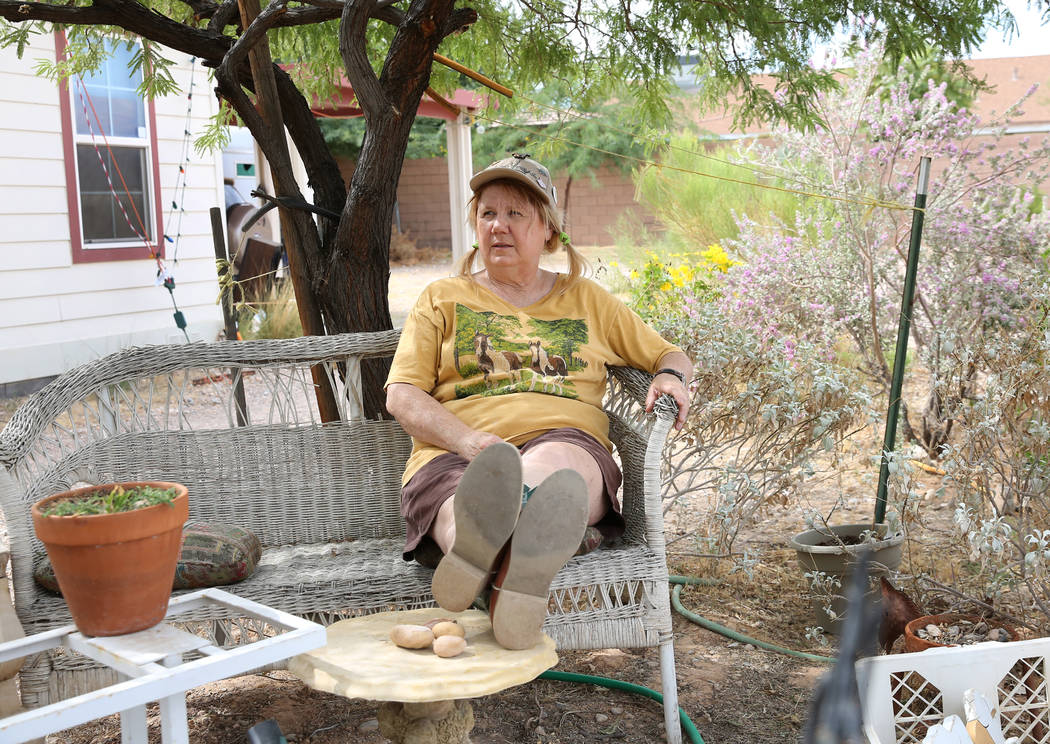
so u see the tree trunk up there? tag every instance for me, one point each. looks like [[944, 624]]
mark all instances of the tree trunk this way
[[352, 284]]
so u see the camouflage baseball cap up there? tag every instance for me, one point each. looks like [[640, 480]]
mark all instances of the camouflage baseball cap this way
[[519, 167]]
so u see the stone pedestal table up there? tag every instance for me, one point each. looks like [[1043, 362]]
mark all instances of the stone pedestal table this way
[[425, 698]]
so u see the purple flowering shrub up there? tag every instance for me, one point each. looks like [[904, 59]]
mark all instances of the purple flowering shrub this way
[[835, 274], [758, 418], [998, 460]]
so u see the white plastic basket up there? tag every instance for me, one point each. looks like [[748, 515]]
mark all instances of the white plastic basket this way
[[902, 695]]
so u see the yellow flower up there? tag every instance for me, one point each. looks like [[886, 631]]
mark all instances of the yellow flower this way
[[665, 286], [717, 257], [634, 274]]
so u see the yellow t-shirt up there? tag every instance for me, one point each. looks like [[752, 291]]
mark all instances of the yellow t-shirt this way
[[518, 372]]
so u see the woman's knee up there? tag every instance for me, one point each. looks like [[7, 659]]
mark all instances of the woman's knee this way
[[562, 455], [546, 457]]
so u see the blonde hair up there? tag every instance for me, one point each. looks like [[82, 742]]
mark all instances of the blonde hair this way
[[578, 266]]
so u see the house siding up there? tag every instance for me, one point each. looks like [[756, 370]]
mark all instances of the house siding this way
[[54, 313]]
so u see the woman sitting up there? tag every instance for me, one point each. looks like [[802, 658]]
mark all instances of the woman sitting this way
[[499, 378]]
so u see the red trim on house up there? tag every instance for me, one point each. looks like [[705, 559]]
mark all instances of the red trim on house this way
[[135, 251]]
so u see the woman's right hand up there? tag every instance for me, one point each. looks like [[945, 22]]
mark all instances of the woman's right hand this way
[[471, 445], [424, 418]]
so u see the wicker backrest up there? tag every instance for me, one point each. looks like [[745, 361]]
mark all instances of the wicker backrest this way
[[170, 413]]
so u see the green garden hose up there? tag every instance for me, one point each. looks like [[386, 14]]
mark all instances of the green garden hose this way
[[615, 684], [676, 602], [690, 730]]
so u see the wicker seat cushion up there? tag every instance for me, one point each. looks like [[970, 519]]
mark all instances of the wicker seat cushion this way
[[211, 555]]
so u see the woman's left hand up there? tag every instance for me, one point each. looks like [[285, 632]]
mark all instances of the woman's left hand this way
[[668, 384]]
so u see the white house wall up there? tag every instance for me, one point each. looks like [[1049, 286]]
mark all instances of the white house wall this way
[[55, 314]]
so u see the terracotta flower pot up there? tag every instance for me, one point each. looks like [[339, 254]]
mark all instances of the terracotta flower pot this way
[[818, 550], [912, 641], [115, 570]]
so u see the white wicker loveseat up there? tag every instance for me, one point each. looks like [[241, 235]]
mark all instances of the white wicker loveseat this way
[[322, 498]]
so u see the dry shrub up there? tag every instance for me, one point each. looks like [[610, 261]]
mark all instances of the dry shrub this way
[[275, 316], [405, 251]]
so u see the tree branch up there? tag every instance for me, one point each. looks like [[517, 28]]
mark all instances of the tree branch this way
[[322, 171], [201, 8], [228, 79], [353, 43], [458, 21], [18, 12], [224, 16], [128, 15], [251, 36]]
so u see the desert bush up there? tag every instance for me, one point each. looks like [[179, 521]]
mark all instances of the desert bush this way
[[836, 271], [674, 282], [405, 250], [999, 459], [758, 417]]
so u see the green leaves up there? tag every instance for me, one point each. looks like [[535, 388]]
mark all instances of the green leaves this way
[[156, 72], [216, 134], [19, 34], [118, 499]]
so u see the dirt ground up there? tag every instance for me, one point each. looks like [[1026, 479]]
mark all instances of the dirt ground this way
[[734, 693]]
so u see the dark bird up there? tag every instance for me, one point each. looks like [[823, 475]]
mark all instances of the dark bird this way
[[835, 715], [897, 611]]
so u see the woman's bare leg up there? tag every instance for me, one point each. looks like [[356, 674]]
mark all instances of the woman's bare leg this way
[[443, 530], [546, 457]]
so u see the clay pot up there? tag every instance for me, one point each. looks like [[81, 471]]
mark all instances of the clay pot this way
[[912, 641], [115, 570], [837, 560]]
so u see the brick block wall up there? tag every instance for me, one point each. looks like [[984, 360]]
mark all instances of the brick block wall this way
[[594, 205]]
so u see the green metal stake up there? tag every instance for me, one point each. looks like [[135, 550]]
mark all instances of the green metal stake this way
[[903, 328]]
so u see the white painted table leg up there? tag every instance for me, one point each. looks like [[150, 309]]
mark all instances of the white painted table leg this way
[[133, 726], [174, 728]]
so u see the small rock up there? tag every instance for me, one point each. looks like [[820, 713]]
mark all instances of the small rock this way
[[997, 634], [600, 717], [540, 731], [608, 660], [370, 725], [933, 630], [616, 711]]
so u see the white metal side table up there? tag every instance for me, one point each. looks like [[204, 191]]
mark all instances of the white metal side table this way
[[152, 659]]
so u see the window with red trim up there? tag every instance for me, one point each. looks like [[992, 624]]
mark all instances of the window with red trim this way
[[110, 144]]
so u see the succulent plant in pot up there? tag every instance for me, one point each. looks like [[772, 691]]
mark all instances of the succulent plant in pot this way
[[114, 548]]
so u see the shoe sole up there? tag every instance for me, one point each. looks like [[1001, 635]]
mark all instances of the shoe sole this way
[[548, 533], [486, 508]]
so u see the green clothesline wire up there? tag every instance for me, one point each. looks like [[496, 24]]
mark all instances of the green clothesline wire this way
[[870, 203], [750, 167]]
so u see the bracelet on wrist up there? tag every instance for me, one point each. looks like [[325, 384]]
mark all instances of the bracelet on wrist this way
[[669, 371]]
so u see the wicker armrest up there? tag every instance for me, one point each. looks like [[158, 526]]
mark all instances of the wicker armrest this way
[[639, 438]]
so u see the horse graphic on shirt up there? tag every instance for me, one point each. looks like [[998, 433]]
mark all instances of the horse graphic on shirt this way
[[544, 363], [492, 361]]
